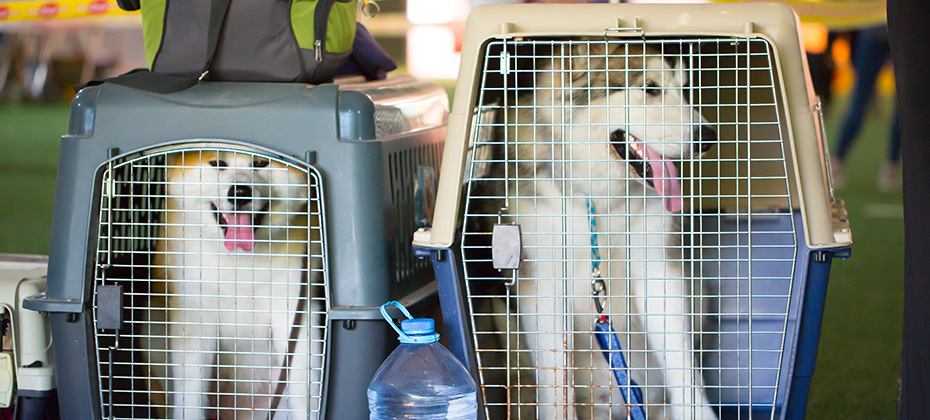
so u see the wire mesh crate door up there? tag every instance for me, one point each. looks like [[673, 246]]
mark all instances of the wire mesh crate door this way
[[653, 165], [219, 255]]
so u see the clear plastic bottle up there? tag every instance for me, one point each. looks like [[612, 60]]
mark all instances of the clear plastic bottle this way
[[421, 379]]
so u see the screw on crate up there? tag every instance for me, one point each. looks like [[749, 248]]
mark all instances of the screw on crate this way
[[423, 253], [821, 256]]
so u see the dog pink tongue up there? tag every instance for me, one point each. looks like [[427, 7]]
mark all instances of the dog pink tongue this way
[[239, 232], [665, 179]]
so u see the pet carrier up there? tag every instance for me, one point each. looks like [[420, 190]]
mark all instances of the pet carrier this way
[[641, 211], [27, 376], [222, 251]]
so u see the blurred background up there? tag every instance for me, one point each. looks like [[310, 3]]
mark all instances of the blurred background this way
[[52, 46]]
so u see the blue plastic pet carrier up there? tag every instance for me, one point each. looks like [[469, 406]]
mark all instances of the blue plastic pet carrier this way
[[659, 169]]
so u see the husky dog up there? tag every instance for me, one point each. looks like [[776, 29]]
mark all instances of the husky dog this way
[[228, 333], [592, 152]]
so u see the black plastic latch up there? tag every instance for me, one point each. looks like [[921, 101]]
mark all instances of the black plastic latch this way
[[109, 307]]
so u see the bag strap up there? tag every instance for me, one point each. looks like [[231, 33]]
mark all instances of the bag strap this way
[[218, 10], [145, 79]]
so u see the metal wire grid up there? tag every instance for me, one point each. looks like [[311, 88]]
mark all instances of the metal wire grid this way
[[735, 249], [220, 254]]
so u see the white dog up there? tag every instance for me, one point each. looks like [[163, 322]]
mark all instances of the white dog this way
[[234, 290], [594, 144]]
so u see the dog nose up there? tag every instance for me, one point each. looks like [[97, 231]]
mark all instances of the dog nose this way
[[239, 195], [704, 138]]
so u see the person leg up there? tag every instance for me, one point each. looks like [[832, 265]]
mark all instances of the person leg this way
[[889, 179], [870, 54]]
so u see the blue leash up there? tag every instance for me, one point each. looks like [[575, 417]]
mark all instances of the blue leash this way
[[607, 339], [605, 334]]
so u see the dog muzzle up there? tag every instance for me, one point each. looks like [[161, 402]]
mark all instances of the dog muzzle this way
[[656, 170]]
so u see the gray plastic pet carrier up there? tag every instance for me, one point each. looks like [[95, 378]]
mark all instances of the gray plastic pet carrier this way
[[657, 170], [222, 252]]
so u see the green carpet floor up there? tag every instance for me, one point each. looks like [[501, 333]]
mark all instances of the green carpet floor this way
[[29, 137], [857, 367]]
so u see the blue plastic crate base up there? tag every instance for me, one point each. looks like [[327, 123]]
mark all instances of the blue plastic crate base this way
[[758, 366], [775, 271]]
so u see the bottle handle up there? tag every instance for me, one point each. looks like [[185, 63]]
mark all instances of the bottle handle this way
[[388, 318]]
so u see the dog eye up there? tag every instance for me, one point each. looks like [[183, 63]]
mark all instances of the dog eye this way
[[259, 163], [218, 163], [652, 88]]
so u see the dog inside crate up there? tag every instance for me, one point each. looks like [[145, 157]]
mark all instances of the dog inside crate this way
[[218, 254], [631, 167]]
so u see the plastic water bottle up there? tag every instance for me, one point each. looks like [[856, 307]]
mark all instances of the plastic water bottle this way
[[421, 379]]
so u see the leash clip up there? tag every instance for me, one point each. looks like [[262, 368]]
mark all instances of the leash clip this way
[[598, 290]]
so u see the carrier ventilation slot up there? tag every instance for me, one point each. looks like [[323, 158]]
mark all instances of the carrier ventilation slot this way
[[413, 176]]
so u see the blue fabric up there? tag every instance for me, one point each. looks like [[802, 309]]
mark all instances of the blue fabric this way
[[610, 345], [367, 57]]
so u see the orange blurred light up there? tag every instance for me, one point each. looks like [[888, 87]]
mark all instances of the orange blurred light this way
[[815, 37]]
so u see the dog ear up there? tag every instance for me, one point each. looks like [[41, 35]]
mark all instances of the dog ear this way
[[581, 55], [679, 71], [592, 53]]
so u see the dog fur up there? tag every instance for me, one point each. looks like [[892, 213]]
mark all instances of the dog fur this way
[[577, 137], [232, 250]]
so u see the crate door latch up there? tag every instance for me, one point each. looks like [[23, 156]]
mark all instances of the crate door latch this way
[[109, 307], [506, 246]]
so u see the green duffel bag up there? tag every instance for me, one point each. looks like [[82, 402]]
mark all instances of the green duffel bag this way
[[247, 40]]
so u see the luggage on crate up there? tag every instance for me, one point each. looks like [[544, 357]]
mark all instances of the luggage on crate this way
[[248, 40]]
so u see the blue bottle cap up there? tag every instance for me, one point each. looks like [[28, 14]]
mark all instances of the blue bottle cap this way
[[412, 330], [418, 326], [418, 330]]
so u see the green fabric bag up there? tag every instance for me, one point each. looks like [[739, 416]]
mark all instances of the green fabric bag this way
[[248, 40]]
